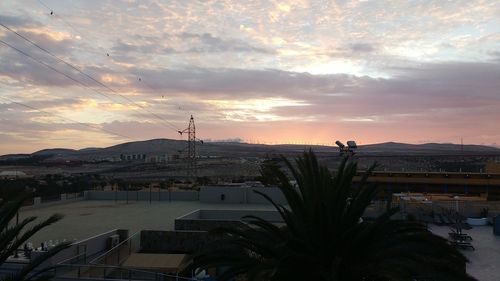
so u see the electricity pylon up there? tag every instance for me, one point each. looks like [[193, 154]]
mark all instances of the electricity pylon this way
[[191, 170]]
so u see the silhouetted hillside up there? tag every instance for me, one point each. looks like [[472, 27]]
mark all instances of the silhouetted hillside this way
[[232, 149]]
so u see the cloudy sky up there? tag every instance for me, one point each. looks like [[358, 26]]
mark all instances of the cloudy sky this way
[[261, 71]]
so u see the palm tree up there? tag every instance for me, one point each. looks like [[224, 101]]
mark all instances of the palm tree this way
[[324, 237], [13, 235]]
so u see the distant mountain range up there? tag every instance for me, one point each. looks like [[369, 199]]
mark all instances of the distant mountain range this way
[[235, 149]]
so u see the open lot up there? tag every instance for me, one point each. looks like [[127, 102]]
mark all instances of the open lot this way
[[83, 219]]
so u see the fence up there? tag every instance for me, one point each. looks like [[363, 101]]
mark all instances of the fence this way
[[464, 208], [144, 195]]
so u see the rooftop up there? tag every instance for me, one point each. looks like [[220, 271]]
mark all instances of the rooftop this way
[[483, 262], [83, 219]]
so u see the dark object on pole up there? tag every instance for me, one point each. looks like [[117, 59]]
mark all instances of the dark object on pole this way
[[352, 144], [340, 144], [346, 150]]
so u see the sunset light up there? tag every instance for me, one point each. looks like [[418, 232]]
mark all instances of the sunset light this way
[[369, 70]]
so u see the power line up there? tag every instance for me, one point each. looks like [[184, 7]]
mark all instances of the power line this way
[[65, 118], [107, 54], [56, 70], [172, 126], [56, 15], [79, 70], [177, 105], [43, 4]]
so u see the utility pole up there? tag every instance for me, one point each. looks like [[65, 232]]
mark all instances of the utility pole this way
[[191, 148]]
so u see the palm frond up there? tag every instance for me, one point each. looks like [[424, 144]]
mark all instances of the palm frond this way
[[12, 236], [323, 238]]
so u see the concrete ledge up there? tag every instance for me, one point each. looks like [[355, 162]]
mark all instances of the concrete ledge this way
[[206, 220]]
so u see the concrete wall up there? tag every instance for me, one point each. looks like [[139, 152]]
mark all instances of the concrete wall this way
[[153, 241], [238, 195], [231, 215], [206, 220], [142, 195], [223, 194], [37, 202]]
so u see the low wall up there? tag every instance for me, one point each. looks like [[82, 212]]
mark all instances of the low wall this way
[[204, 225], [142, 195], [37, 202], [154, 241], [239, 195], [206, 220]]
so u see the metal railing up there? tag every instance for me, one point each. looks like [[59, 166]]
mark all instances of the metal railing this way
[[107, 272], [107, 266]]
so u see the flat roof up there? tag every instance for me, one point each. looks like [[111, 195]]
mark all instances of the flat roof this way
[[483, 262], [83, 219]]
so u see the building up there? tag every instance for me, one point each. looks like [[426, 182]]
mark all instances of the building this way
[[13, 175], [153, 158], [133, 157], [163, 158]]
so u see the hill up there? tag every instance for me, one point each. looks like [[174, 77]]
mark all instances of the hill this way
[[234, 149]]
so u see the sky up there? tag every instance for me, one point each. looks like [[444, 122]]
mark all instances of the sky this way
[[268, 72]]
